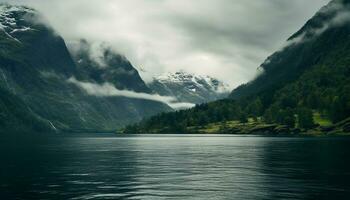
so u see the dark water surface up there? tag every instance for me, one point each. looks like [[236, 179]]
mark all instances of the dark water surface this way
[[175, 167]]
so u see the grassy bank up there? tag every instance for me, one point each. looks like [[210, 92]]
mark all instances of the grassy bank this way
[[323, 127]]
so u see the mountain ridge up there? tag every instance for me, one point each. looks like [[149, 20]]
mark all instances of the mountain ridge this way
[[298, 42]]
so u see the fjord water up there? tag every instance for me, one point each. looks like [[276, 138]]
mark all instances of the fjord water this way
[[175, 167]]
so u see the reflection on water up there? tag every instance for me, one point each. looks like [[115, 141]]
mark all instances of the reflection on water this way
[[175, 167]]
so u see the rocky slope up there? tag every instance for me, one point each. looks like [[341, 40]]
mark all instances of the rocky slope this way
[[15, 116]]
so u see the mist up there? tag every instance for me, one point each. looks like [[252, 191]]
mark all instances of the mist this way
[[109, 90]]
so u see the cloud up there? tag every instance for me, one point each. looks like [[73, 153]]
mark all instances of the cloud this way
[[342, 17], [96, 54], [226, 39], [108, 90], [94, 50]]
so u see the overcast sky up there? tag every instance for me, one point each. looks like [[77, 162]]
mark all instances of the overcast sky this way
[[226, 39]]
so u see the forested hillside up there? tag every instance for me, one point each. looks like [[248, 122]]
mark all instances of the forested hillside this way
[[304, 86]]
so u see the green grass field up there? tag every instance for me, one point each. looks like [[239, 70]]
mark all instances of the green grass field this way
[[322, 121]]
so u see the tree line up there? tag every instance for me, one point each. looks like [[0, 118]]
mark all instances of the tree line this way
[[322, 89]]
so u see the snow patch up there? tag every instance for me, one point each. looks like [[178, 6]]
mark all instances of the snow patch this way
[[24, 29], [8, 20]]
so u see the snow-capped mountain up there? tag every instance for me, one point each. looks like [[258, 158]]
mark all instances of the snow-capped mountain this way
[[189, 87]]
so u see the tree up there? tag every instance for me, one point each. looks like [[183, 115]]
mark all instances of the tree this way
[[131, 129], [179, 128], [271, 114], [203, 120], [305, 118], [255, 108], [243, 118], [287, 117]]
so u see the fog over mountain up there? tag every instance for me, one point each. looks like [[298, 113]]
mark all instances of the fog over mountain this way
[[226, 39]]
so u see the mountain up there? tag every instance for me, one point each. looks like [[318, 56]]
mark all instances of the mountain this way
[[189, 88], [312, 69], [304, 87], [99, 63], [36, 68], [318, 42]]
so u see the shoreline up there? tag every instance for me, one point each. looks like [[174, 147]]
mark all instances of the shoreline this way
[[254, 128]]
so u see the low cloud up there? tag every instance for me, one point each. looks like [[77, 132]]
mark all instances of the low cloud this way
[[109, 90], [96, 54], [94, 50]]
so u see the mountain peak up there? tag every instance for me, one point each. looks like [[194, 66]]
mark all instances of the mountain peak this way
[[196, 80], [99, 62], [15, 20], [5, 7]]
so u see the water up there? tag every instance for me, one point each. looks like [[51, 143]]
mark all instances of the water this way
[[175, 167]]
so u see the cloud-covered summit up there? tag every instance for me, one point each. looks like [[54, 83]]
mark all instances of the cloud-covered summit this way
[[226, 39]]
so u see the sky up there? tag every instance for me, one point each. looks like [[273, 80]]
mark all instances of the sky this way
[[225, 39]]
